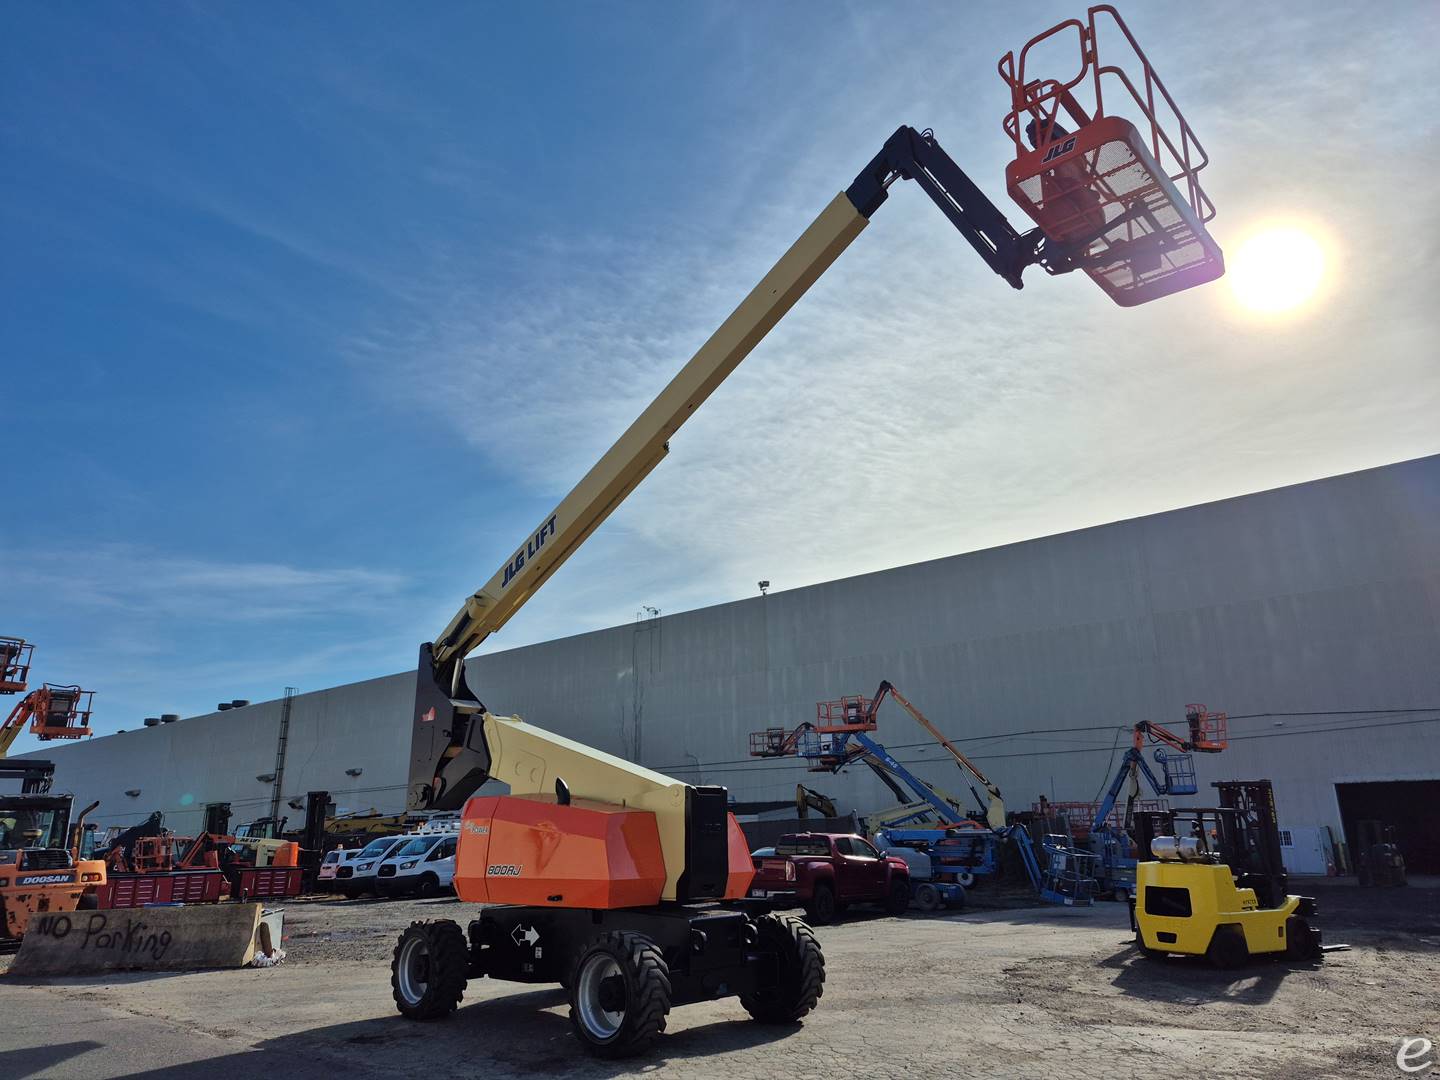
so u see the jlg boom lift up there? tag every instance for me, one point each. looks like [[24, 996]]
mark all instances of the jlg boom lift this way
[[51, 710], [606, 876]]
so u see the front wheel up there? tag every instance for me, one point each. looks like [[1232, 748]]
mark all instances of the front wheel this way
[[428, 972], [1301, 941], [800, 971], [898, 902], [619, 994], [429, 885]]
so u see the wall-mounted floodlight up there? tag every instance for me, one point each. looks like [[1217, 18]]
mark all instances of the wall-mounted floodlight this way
[[134, 793], [353, 772], [266, 778], [764, 587]]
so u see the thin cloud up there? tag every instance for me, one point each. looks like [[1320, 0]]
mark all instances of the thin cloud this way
[[147, 583]]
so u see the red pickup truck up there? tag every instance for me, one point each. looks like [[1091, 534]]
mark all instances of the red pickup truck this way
[[826, 872]]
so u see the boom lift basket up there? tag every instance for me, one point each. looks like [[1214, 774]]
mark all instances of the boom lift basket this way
[[14, 664], [1179, 772], [1121, 201], [1209, 732], [844, 716], [847, 714], [63, 713]]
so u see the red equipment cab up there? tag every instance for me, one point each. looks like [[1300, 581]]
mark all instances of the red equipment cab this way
[[14, 664], [1118, 199]]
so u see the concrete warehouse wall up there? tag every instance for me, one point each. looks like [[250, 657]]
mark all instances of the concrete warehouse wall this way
[[1319, 597]]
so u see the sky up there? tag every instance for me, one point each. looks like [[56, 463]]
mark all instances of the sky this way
[[309, 314]]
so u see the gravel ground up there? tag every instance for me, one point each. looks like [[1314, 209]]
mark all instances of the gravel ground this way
[[1008, 992]]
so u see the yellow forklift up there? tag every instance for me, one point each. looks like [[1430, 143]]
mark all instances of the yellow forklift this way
[[1217, 887]]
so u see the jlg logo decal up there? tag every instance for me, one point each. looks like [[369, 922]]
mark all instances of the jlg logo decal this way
[[528, 551], [1060, 149], [503, 870]]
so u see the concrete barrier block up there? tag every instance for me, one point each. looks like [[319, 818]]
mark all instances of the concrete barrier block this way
[[144, 939]]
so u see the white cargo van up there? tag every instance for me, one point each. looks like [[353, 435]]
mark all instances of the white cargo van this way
[[357, 876], [423, 865]]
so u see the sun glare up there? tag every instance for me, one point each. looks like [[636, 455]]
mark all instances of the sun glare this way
[[1276, 270]]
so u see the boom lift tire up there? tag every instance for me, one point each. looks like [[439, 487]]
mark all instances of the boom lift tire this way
[[899, 901], [429, 970], [619, 994], [927, 897], [1227, 948], [821, 909], [801, 973]]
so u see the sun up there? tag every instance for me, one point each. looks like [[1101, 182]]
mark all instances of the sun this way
[[1277, 269]]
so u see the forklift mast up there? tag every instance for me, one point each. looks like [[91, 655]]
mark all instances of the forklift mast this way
[[35, 776]]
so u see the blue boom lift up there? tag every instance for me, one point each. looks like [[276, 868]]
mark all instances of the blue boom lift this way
[[1111, 843], [960, 847]]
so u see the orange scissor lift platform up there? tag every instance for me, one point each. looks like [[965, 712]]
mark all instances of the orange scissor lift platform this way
[[14, 664], [1120, 200]]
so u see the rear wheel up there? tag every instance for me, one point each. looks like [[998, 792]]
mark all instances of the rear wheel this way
[[821, 909], [957, 898], [428, 972], [927, 897], [619, 994], [1227, 948], [1146, 951], [800, 970], [428, 885], [898, 901]]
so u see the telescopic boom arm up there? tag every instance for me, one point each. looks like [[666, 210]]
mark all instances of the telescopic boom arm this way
[[450, 757], [995, 811]]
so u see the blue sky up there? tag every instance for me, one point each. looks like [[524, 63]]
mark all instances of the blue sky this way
[[311, 312]]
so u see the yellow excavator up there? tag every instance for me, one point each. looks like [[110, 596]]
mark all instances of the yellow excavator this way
[[611, 878], [807, 799]]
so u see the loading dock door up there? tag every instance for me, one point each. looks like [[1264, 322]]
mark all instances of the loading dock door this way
[[1412, 806]]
